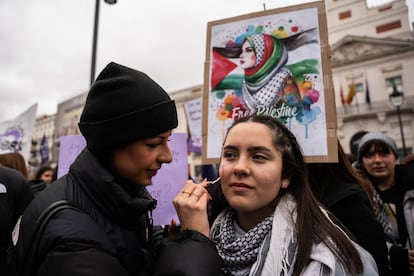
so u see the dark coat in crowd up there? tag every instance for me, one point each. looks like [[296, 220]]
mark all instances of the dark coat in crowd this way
[[15, 195], [37, 186], [189, 253], [349, 204], [402, 195]]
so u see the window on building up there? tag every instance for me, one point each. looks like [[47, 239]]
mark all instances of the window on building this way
[[345, 14], [391, 81], [388, 26], [359, 87]]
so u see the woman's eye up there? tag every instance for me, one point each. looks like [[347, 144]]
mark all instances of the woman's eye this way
[[368, 154], [229, 155], [153, 145], [259, 157]]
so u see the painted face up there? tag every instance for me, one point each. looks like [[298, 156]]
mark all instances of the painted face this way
[[141, 160], [379, 165], [47, 176], [247, 56], [251, 169]]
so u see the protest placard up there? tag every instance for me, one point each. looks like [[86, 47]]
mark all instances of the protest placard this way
[[274, 62]]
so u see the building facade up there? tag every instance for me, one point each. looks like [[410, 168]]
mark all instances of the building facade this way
[[372, 51], [354, 17]]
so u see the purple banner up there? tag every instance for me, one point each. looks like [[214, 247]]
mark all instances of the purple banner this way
[[166, 184]]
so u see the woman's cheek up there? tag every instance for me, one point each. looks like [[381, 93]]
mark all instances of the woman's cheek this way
[[223, 169]]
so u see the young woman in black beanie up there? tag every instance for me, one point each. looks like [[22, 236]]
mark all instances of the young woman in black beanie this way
[[102, 224]]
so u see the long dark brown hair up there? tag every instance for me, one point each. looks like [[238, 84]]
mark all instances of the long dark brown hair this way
[[312, 225], [325, 174]]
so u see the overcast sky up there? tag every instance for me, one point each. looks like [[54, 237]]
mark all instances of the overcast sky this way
[[45, 45]]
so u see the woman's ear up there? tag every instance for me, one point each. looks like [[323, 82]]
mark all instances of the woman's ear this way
[[285, 183]]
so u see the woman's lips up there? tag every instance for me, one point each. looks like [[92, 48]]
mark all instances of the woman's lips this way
[[379, 169], [152, 172], [240, 187]]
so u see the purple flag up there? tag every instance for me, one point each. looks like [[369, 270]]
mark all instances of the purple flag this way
[[44, 150]]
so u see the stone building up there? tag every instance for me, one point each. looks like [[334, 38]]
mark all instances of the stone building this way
[[373, 49]]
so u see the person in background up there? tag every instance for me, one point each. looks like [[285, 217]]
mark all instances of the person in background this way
[[377, 159], [266, 220], [127, 122], [42, 179], [350, 198], [15, 160], [45, 173], [15, 195]]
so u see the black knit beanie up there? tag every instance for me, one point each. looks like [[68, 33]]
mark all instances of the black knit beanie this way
[[125, 105]]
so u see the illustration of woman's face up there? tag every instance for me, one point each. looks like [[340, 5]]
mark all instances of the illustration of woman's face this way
[[247, 56]]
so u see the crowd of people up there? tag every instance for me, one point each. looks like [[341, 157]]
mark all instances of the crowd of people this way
[[271, 213]]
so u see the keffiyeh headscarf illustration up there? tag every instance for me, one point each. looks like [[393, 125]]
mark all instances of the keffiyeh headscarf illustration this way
[[264, 82]]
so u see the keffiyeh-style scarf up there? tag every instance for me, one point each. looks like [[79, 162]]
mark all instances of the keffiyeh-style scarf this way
[[270, 248], [238, 253]]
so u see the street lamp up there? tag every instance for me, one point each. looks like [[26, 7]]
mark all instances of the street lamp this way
[[95, 37], [397, 99]]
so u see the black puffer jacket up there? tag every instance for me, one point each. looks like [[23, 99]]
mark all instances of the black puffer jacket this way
[[37, 186], [15, 195], [107, 238]]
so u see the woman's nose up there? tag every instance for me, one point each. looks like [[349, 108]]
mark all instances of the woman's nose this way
[[377, 157], [241, 168], [166, 156]]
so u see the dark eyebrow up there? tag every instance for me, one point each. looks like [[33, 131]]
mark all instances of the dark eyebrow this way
[[229, 147], [259, 148], [250, 150]]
